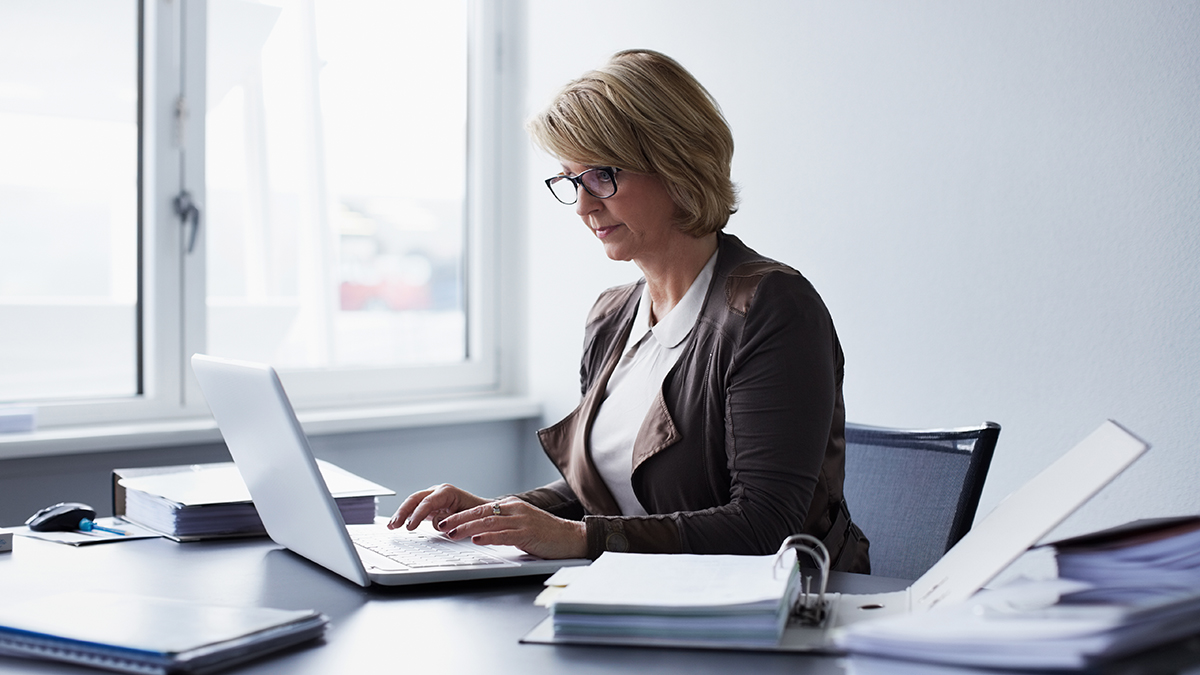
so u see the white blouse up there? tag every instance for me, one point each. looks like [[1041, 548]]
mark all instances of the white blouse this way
[[649, 354]]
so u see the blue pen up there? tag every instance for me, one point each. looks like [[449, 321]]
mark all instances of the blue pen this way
[[87, 526]]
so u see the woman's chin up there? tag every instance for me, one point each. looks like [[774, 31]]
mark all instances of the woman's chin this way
[[615, 253]]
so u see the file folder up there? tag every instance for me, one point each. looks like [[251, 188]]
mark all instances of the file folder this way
[[134, 634]]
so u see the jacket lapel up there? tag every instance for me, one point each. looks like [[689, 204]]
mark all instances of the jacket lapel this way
[[566, 443], [657, 431]]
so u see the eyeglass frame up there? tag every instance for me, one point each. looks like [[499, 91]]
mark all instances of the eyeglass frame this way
[[577, 181]]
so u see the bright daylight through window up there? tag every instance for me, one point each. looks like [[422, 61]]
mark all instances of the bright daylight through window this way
[[339, 232], [336, 169], [68, 199]]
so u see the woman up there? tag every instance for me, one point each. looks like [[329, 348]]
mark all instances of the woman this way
[[712, 417]]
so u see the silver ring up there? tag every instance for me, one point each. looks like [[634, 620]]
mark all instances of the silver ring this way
[[495, 508]]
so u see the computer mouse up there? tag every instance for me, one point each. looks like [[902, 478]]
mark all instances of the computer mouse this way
[[62, 517]]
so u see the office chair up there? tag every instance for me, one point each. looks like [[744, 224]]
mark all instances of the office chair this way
[[914, 492]]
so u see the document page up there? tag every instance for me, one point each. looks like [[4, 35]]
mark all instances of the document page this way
[[682, 582], [222, 484]]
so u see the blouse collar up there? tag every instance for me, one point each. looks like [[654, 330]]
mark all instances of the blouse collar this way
[[672, 329]]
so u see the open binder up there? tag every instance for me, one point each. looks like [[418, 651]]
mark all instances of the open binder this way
[[746, 601], [1014, 526]]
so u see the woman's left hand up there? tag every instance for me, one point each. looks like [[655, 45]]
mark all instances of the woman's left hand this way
[[512, 522]]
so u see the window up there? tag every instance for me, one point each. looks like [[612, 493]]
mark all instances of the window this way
[[69, 190], [331, 150]]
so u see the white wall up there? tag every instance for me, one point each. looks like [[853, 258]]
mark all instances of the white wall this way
[[998, 202]]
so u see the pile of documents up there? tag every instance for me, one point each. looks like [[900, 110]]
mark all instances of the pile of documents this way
[[1119, 592], [708, 600], [210, 500], [1136, 562]]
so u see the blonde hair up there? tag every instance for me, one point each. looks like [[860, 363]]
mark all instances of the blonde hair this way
[[644, 112]]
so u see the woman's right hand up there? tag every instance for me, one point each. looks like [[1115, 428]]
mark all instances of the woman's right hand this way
[[435, 504]]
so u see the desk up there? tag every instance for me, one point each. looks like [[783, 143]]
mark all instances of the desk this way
[[467, 627]]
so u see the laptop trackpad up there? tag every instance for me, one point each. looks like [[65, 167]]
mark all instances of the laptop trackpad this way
[[375, 562]]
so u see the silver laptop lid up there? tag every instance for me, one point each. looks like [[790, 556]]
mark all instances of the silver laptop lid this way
[[272, 453]]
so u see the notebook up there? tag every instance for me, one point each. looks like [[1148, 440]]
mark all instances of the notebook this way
[[134, 634], [297, 510], [1016, 524]]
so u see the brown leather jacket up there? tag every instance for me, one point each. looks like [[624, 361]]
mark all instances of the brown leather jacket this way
[[744, 444]]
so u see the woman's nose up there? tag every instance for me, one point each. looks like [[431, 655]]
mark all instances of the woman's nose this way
[[586, 203]]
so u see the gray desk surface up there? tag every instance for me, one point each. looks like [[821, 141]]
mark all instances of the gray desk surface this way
[[448, 628], [469, 627]]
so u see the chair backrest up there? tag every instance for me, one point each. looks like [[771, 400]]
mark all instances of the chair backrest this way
[[914, 492]]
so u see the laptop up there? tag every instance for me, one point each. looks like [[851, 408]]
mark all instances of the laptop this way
[[1015, 525], [299, 513]]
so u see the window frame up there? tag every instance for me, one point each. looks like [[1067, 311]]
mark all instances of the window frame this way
[[172, 289]]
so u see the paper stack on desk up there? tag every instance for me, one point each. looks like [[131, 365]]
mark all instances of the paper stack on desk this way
[[1119, 592], [210, 500], [1145, 559], [709, 599]]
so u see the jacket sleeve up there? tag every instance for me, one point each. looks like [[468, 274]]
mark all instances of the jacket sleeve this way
[[557, 498], [779, 394]]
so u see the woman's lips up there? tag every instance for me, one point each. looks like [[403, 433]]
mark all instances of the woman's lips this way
[[602, 232]]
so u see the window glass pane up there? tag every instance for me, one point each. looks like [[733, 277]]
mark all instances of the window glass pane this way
[[68, 198], [336, 170]]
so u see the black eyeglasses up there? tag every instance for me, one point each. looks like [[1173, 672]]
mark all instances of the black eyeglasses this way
[[600, 182]]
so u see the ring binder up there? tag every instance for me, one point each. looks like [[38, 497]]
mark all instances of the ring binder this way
[[807, 610]]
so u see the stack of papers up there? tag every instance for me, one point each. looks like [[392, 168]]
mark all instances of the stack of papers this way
[[1142, 560], [709, 600], [211, 500], [1119, 592], [135, 634], [1025, 626]]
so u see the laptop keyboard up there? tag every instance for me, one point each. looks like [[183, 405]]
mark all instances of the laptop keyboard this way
[[419, 550]]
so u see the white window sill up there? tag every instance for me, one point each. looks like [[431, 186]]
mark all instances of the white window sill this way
[[166, 433]]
